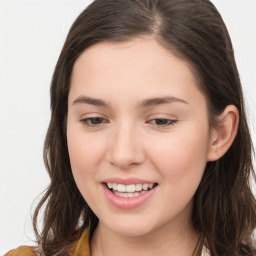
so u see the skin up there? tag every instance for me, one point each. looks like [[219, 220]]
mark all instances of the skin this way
[[129, 142]]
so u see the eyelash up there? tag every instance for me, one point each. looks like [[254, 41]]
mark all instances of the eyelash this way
[[88, 121], [170, 122]]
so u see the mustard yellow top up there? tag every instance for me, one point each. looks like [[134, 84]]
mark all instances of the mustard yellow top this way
[[80, 247]]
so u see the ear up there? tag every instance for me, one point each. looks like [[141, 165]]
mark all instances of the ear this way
[[224, 133]]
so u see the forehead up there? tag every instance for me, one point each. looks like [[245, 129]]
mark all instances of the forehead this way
[[143, 52], [140, 68]]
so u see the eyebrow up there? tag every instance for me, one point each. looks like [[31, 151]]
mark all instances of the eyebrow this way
[[90, 101], [144, 104], [160, 100]]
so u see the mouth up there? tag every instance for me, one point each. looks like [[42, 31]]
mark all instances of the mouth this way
[[131, 190]]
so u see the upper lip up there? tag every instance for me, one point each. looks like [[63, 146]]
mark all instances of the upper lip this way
[[127, 181]]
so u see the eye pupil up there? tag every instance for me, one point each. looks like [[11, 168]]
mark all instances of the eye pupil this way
[[161, 121], [96, 120]]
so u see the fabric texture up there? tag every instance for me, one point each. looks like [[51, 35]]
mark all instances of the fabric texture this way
[[80, 247], [22, 251]]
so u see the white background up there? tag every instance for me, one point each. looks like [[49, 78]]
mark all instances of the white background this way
[[32, 34]]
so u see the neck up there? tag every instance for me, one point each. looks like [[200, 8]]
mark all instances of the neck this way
[[178, 240]]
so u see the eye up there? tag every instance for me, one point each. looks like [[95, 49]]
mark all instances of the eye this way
[[94, 121], [162, 122]]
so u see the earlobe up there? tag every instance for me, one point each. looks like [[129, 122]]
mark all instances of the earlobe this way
[[224, 133]]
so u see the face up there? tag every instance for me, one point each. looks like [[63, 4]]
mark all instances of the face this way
[[138, 135]]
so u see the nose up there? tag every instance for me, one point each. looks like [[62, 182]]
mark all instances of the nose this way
[[125, 147]]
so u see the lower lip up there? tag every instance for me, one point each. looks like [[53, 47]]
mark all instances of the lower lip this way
[[127, 203]]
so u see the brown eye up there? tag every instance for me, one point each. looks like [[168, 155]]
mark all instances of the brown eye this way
[[93, 121], [96, 120], [162, 122]]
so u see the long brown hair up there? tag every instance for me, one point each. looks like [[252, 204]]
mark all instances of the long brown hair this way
[[224, 206]]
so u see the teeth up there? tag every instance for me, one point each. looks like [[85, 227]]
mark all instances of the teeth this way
[[131, 188], [114, 186], [110, 185], [128, 194], [121, 188], [138, 187], [145, 186]]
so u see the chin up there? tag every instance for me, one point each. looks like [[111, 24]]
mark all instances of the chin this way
[[131, 228]]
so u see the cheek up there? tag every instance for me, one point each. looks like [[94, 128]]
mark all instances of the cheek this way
[[84, 151], [180, 160], [85, 155], [182, 156]]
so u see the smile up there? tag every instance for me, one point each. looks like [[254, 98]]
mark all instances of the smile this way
[[131, 190], [134, 193]]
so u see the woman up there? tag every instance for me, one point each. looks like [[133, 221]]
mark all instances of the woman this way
[[148, 148]]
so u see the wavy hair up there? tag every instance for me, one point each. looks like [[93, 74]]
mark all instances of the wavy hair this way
[[224, 205]]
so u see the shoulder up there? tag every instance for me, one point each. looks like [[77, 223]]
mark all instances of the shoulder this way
[[82, 245], [22, 251]]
